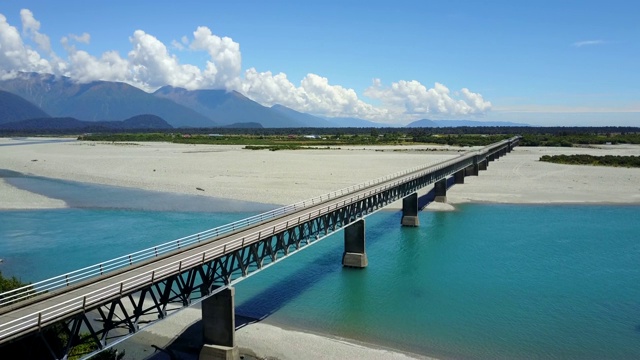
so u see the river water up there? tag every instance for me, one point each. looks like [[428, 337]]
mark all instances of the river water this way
[[485, 281]]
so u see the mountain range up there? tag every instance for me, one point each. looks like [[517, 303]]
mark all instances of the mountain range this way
[[459, 123], [41, 96], [137, 122]]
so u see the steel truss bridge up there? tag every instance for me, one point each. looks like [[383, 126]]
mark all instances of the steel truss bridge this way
[[105, 303]]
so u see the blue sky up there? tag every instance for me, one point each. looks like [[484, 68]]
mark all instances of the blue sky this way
[[543, 63]]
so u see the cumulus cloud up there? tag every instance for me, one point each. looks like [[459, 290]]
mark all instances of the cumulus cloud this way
[[226, 61], [150, 64], [31, 27], [314, 95], [15, 55], [413, 98]]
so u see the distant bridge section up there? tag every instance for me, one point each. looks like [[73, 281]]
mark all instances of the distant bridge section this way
[[111, 301]]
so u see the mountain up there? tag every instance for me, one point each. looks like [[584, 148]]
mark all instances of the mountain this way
[[423, 123], [304, 119], [145, 121], [356, 123], [226, 107], [71, 124], [16, 108], [460, 123], [244, 125], [98, 100]]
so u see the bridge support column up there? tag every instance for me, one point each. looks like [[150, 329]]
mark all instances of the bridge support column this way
[[459, 177], [219, 327], [354, 250], [471, 170], [440, 188], [482, 165], [410, 210]]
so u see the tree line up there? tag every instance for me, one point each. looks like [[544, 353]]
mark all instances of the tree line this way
[[581, 159]]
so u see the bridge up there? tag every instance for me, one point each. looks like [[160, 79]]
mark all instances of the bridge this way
[[103, 304]]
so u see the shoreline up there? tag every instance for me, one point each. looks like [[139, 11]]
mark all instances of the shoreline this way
[[286, 177], [261, 339]]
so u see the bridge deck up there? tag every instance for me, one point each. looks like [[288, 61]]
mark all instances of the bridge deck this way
[[31, 315]]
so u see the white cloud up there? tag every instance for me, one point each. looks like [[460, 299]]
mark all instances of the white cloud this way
[[413, 98], [31, 27], [226, 60], [85, 38], [150, 64], [314, 95], [15, 55], [84, 67], [588, 43], [177, 45]]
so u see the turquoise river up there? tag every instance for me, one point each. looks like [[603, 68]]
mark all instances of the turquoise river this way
[[484, 281]]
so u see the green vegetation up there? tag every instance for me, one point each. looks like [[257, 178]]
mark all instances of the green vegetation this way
[[459, 139], [284, 147], [11, 283], [565, 139], [607, 160], [294, 139], [55, 336]]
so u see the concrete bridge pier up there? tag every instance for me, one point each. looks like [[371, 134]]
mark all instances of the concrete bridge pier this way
[[459, 177], [440, 188], [219, 327], [471, 170], [354, 246], [410, 210], [482, 165]]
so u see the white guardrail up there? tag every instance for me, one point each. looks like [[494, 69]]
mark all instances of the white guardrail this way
[[94, 297]]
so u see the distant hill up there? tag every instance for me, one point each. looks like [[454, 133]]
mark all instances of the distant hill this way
[[244, 125], [356, 123], [305, 120], [140, 122], [16, 108], [423, 123], [459, 123], [226, 107], [144, 121], [98, 100]]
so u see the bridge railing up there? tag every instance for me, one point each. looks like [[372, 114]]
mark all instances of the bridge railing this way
[[37, 319], [88, 300], [77, 276]]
